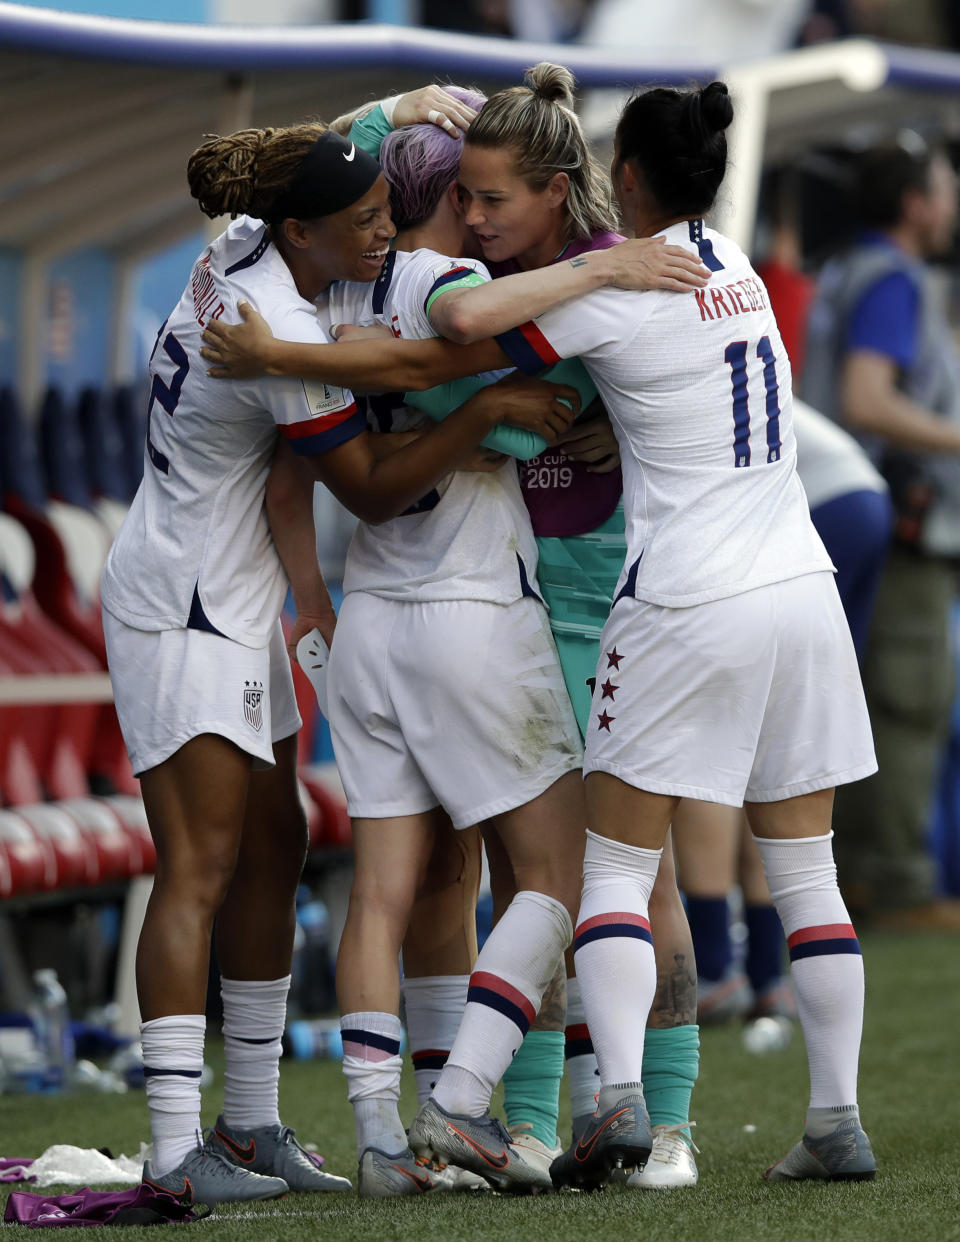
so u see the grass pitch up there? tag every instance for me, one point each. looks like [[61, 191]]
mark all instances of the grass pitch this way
[[749, 1110]]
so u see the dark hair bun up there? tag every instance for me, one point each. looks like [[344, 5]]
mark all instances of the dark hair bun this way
[[716, 107]]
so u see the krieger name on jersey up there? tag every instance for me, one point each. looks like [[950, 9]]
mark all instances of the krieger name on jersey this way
[[740, 298], [206, 303]]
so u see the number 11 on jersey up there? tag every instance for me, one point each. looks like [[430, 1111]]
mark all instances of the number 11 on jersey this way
[[736, 356]]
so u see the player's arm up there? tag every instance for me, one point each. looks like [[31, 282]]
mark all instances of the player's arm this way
[[439, 402], [289, 505], [369, 124], [249, 349], [378, 488], [872, 402], [484, 308]]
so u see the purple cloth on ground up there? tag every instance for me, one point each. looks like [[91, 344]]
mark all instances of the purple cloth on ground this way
[[141, 1205], [11, 1168]]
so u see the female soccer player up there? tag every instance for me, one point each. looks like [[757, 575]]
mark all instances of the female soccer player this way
[[732, 674], [566, 214], [192, 593]]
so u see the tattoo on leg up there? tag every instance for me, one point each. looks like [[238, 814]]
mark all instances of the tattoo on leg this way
[[675, 1001], [553, 1007]]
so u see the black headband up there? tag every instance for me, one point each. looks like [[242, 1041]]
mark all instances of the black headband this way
[[334, 173]]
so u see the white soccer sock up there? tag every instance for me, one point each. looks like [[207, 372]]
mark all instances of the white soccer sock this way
[[172, 1065], [512, 972], [614, 954], [581, 1060], [372, 1065], [434, 1008], [254, 1014], [825, 962]]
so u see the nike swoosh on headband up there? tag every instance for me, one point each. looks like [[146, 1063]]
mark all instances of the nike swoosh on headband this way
[[353, 151]]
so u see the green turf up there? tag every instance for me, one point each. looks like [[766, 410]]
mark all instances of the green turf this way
[[910, 1085]]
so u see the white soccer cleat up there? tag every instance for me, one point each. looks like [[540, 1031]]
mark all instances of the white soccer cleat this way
[[313, 655], [534, 1150], [671, 1164]]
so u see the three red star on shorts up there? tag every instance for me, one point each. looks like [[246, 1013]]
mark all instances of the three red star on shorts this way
[[613, 658], [605, 721]]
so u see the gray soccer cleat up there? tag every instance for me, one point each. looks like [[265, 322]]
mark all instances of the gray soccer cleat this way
[[479, 1144], [204, 1176], [618, 1137], [382, 1176], [273, 1151], [844, 1155]]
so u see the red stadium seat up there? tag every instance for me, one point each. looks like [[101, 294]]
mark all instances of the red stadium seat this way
[[333, 830], [119, 853], [30, 859], [76, 861]]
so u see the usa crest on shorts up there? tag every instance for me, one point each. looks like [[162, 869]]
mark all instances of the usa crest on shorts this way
[[253, 704]]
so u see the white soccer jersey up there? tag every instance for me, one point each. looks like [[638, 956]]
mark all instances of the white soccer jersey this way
[[698, 388], [470, 537], [195, 549]]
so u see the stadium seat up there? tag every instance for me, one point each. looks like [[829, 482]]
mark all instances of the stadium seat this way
[[103, 458], [30, 858], [77, 864]]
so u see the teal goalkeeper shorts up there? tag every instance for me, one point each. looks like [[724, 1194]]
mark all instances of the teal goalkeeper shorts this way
[[578, 577]]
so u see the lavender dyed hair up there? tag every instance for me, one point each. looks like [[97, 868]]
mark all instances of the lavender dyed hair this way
[[421, 162]]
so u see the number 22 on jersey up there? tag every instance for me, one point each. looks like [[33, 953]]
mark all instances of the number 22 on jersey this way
[[167, 394]]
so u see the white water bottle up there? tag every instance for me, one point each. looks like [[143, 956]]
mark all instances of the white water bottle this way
[[51, 1016]]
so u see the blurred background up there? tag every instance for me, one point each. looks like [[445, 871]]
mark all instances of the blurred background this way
[[103, 104]]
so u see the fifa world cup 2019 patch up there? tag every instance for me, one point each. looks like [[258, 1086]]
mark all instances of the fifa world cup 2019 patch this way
[[323, 398], [253, 704]]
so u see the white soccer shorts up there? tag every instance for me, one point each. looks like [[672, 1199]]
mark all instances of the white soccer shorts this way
[[458, 703], [756, 697], [172, 685]]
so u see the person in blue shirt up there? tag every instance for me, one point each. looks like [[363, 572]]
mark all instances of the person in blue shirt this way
[[882, 361]]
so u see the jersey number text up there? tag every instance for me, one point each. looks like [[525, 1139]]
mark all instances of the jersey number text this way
[[736, 356], [167, 394]]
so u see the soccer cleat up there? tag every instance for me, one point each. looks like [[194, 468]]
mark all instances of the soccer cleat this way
[[844, 1155], [479, 1144], [204, 1176], [534, 1150], [458, 1181], [382, 1176], [619, 1137], [274, 1151], [671, 1163], [722, 1000]]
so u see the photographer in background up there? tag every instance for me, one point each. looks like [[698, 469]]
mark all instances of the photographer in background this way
[[881, 360]]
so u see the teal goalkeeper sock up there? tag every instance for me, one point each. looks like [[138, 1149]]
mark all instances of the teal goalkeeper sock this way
[[671, 1062], [531, 1085]]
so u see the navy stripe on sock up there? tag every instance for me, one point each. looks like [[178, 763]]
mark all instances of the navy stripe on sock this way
[[429, 1060], [242, 1039], [151, 1071], [605, 931], [578, 1048], [823, 948], [383, 1042], [486, 996]]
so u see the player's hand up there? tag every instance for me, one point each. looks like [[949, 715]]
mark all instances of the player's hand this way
[[532, 404], [432, 105], [649, 263], [325, 622], [356, 332], [591, 440], [238, 350]]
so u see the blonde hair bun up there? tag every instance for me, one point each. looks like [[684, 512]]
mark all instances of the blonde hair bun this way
[[553, 83]]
